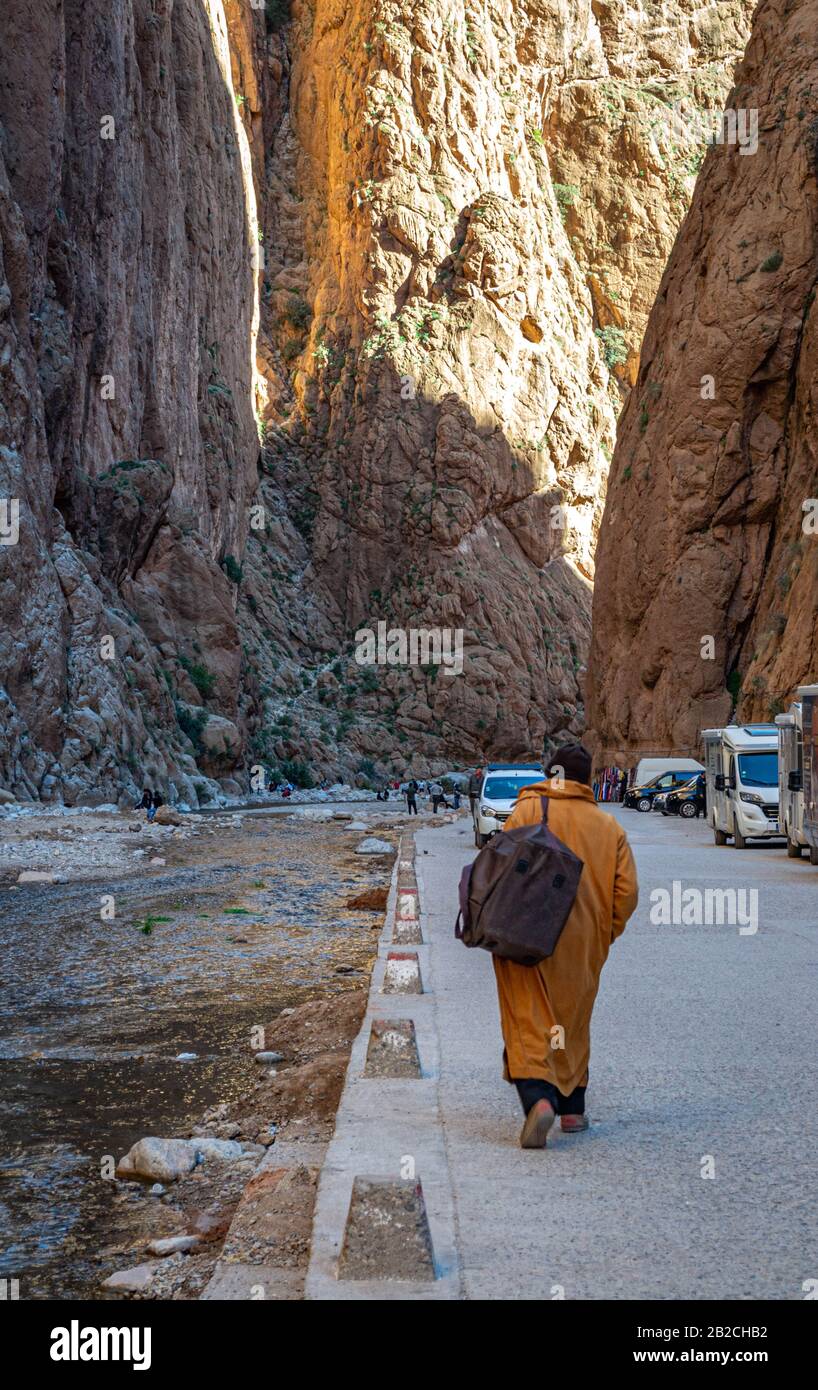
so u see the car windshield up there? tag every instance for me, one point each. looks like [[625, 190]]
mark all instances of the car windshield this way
[[758, 769], [507, 788]]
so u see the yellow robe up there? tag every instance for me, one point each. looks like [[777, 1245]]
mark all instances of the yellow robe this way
[[545, 1009]]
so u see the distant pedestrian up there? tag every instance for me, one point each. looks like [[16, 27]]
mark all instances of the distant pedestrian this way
[[554, 999], [436, 793], [412, 797], [146, 804], [475, 786], [456, 797]]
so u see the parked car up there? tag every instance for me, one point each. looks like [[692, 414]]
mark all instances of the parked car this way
[[688, 800], [502, 784], [641, 798]]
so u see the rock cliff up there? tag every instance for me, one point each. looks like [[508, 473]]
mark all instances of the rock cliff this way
[[312, 319], [707, 568]]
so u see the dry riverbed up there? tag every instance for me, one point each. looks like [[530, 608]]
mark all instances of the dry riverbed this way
[[231, 934]]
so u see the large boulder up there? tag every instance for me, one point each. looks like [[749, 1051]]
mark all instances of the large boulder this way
[[167, 1160]]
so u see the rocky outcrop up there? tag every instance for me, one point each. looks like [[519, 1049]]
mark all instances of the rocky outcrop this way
[[418, 246], [707, 565]]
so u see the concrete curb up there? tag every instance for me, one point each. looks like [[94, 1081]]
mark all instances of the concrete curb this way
[[390, 1129]]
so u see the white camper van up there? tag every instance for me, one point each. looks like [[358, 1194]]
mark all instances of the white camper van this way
[[742, 782], [808, 698], [791, 779]]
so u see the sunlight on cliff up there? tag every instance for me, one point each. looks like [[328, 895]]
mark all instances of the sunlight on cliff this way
[[217, 21]]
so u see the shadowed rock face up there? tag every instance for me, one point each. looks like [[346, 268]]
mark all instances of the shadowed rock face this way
[[702, 534], [431, 193], [126, 425]]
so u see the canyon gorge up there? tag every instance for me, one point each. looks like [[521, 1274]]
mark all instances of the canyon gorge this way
[[320, 315]]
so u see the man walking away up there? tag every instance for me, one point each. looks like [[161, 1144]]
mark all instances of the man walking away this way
[[146, 804], [412, 797], [436, 793], [545, 1009], [475, 783]]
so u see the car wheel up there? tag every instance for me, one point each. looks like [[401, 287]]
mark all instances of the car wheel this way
[[720, 837], [739, 840], [793, 851], [687, 809], [813, 855], [643, 804]]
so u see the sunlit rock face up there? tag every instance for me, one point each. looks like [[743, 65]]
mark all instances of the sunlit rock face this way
[[706, 574], [419, 247]]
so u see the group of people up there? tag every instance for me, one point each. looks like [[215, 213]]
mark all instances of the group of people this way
[[433, 790], [150, 803]]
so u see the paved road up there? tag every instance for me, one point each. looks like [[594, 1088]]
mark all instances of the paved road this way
[[703, 1060]]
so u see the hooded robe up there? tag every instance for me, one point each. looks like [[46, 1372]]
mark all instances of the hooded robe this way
[[537, 1001]]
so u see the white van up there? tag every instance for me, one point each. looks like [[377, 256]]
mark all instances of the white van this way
[[502, 784], [647, 769], [791, 779], [742, 782], [808, 699]]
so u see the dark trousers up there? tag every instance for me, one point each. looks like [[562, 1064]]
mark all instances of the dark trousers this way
[[436, 800], [411, 806], [533, 1090]]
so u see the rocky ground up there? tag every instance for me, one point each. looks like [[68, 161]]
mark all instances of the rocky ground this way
[[235, 935]]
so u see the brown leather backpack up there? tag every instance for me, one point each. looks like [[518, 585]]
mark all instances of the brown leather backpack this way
[[515, 897]]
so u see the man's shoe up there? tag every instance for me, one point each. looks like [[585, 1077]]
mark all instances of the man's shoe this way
[[573, 1124], [538, 1122]]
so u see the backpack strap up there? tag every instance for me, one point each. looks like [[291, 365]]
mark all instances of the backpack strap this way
[[544, 804]]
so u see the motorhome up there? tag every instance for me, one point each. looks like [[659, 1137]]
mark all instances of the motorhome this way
[[791, 779], [808, 698], [741, 762]]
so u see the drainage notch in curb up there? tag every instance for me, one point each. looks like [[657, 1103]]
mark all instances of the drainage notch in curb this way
[[407, 933], [393, 1049], [387, 1232], [402, 974]]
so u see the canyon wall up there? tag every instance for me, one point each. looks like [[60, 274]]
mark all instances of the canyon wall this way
[[707, 570], [127, 435], [477, 206], [309, 320]]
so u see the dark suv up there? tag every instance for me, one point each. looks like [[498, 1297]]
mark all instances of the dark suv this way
[[687, 801], [642, 797]]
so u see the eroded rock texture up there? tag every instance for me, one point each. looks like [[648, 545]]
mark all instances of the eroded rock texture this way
[[454, 209], [703, 533]]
